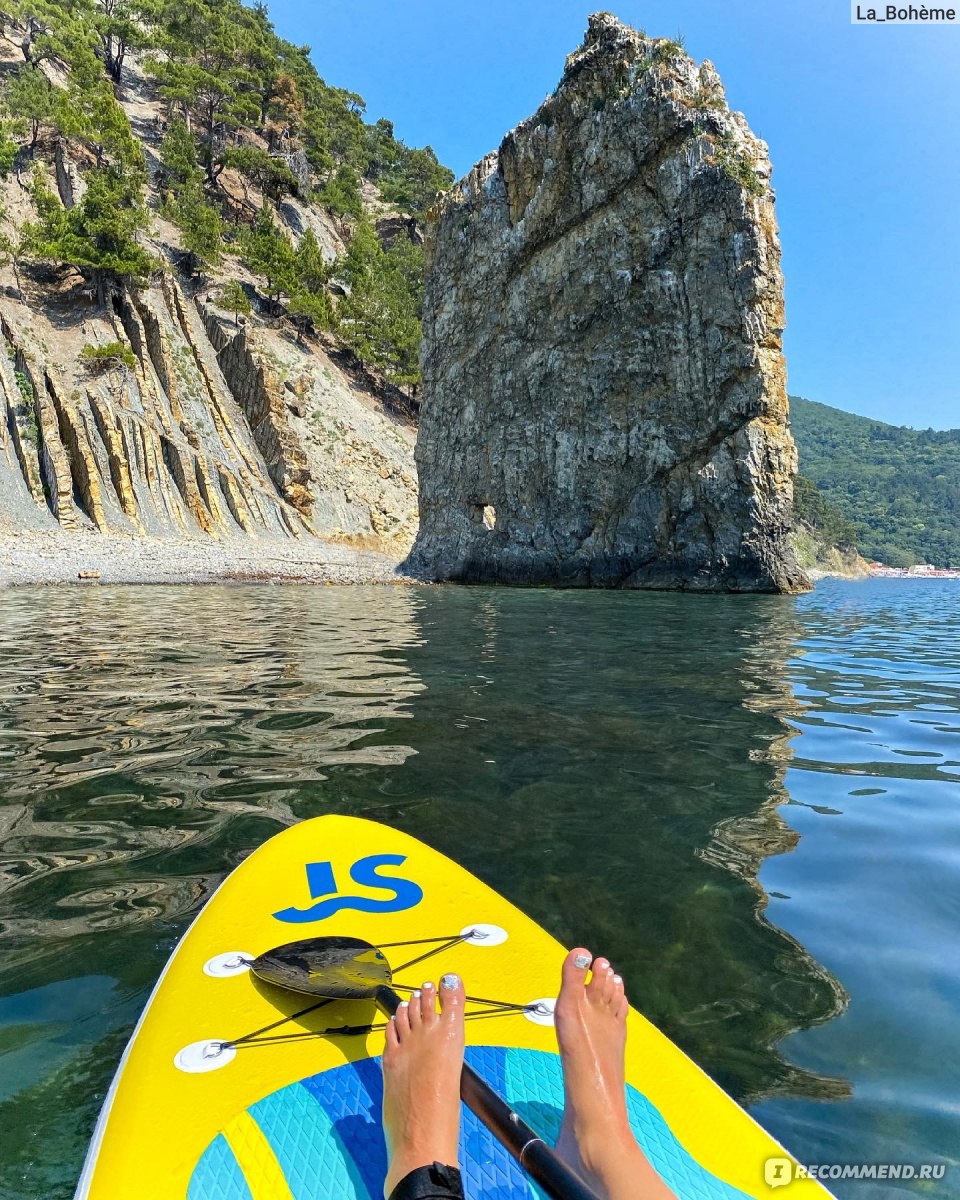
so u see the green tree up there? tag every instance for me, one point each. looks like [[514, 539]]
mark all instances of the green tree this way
[[271, 175], [178, 154], [234, 299], [33, 98], [8, 144], [380, 318], [413, 180], [341, 193], [203, 71], [98, 236], [310, 311], [267, 252], [12, 249], [312, 269], [200, 225], [120, 27]]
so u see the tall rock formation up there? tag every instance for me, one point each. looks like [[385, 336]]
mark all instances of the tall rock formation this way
[[604, 397]]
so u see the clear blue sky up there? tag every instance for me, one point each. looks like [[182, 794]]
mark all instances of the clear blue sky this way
[[864, 132]]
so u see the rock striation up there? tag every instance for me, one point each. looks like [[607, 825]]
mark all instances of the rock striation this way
[[604, 398], [158, 447]]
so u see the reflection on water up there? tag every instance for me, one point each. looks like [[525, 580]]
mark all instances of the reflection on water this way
[[613, 763], [873, 887]]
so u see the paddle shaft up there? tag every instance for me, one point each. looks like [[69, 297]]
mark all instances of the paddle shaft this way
[[531, 1151]]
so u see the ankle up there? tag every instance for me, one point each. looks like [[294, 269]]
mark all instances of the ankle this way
[[403, 1164]]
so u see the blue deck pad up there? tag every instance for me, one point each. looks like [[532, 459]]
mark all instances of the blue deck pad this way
[[326, 1135], [217, 1176]]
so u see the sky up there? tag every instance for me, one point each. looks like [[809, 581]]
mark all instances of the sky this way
[[863, 124]]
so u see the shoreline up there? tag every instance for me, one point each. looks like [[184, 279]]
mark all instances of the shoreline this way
[[39, 557]]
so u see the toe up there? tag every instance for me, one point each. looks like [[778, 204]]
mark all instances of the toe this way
[[608, 990], [414, 1010], [601, 972], [402, 1020], [428, 1003], [575, 967], [393, 1040], [451, 998]]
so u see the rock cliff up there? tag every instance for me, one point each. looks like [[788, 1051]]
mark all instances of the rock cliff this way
[[604, 396], [194, 425]]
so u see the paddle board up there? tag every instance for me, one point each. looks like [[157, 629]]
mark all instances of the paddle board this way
[[214, 1100]]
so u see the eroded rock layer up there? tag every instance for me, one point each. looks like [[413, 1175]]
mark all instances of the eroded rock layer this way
[[604, 396], [157, 446]]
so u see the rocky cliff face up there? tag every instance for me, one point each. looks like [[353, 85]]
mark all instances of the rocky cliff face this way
[[202, 427], [604, 394], [209, 429], [158, 447]]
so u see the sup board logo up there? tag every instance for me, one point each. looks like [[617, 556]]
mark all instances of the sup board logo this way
[[322, 885]]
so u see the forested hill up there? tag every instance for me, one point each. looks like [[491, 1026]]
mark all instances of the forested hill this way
[[211, 275], [199, 113], [898, 487]]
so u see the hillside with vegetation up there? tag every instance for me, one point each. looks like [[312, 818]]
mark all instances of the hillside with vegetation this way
[[211, 274], [246, 121], [896, 489]]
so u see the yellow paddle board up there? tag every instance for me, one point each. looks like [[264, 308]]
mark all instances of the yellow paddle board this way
[[227, 1090]]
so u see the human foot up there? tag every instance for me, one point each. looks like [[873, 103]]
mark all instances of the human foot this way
[[422, 1061], [595, 1138]]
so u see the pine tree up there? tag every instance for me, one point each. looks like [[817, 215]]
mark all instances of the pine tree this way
[[120, 26], [341, 193], [203, 70], [312, 269], [178, 153], [200, 225], [11, 249], [234, 299], [267, 251], [310, 311], [32, 97], [98, 236], [380, 319]]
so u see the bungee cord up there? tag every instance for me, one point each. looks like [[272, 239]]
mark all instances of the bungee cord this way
[[492, 1008]]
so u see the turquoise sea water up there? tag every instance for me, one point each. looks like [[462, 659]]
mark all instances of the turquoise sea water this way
[[749, 803]]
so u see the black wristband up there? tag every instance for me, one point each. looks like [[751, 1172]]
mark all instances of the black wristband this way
[[436, 1182]]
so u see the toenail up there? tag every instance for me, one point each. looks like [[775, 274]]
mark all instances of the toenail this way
[[618, 979], [427, 986], [404, 1003], [582, 961], [416, 994], [450, 983]]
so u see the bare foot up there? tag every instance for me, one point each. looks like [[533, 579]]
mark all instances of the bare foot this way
[[422, 1061], [595, 1138]]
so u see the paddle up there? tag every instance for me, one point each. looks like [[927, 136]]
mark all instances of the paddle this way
[[345, 968]]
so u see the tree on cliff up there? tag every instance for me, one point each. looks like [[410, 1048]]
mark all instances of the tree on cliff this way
[[235, 299], [98, 236], [33, 98], [380, 318], [203, 73], [120, 26], [267, 251]]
